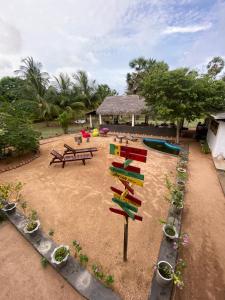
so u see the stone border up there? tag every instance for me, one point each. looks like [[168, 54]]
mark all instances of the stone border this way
[[77, 276], [22, 163], [167, 253]]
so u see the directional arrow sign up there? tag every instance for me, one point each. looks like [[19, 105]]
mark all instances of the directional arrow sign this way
[[123, 213], [129, 198]]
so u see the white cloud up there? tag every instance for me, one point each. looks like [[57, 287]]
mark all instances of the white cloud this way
[[186, 29], [101, 36]]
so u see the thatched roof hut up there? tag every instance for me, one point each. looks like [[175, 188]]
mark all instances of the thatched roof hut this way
[[122, 105]]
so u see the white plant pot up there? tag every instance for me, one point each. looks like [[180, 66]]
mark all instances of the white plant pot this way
[[160, 279], [11, 209], [59, 263], [34, 230], [171, 237], [181, 170]]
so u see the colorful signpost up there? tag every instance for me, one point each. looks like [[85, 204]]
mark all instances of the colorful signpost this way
[[129, 176]]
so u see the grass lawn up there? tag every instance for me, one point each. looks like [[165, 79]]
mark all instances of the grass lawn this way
[[53, 129]]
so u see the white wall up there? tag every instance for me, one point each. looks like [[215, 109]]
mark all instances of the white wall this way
[[217, 142]]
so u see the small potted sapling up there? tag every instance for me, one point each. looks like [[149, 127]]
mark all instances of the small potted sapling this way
[[176, 197], [33, 223], [60, 255], [165, 274], [177, 200], [169, 229], [10, 195]]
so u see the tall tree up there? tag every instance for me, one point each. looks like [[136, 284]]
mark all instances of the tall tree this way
[[141, 67], [102, 91], [180, 94], [215, 66], [31, 71], [86, 87]]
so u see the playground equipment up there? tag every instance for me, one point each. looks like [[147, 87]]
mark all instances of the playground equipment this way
[[95, 132], [162, 145], [129, 176], [104, 131]]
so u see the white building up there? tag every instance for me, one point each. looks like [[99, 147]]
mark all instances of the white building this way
[[216, 134]]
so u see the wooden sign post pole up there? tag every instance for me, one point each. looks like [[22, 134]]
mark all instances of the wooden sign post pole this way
[[125, 241], [129, 176]]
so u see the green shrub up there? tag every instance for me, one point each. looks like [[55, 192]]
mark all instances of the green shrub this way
[[64, 120], [17, 134]]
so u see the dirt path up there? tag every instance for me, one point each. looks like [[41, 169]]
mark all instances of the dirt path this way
[[21, 275], [204, 220]]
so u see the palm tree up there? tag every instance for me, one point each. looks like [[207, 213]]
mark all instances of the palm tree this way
[[87, 88], [63, 84], [31, 71], [67, 95]]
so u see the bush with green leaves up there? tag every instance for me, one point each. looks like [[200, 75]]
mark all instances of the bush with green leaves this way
[[17, 135], [64, 120]]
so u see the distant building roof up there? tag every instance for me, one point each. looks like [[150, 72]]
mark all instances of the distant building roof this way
[[219, 116], [122, 105]]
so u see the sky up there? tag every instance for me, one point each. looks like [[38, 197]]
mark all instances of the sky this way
[[102, 36]]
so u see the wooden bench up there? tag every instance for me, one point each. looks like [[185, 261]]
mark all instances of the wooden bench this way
[[70, 150], [58, 158]]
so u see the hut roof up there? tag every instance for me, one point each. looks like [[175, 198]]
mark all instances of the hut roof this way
[[122, 105]]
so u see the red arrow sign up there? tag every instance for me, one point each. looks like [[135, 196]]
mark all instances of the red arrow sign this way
[[121, 212], [129, 197]]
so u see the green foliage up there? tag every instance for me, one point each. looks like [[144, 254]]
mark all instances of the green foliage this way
[[215, 66], [97, 270], [11, 191], [176, 196], [12, 88], [109, 280], [44, 262], [83, 259], [142, 67], [61, 253], [205, 147], [181, 94], [77, 247], [17, 134], [32, 218], [51, 232], [64, 120]]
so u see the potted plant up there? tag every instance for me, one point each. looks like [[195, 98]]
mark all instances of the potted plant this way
[[181, 170], [60, 255], [9, 195], [9, 208], [164, 273], [176, 196], [177, 200], [169, 229], [33, 223]]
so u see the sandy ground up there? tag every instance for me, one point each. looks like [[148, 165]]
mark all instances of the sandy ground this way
[[75, 202], [204, 220], [21, 275]]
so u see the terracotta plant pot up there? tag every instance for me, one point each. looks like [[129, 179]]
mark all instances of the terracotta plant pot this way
[[160, 275]]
